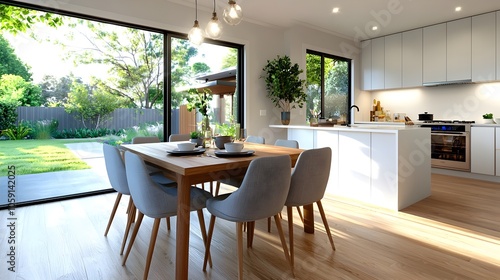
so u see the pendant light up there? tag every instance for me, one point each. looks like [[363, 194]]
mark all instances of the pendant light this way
[[214, 27], [196, 35], [233, 13]]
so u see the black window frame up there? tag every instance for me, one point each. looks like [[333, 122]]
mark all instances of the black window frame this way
[[323, 55]]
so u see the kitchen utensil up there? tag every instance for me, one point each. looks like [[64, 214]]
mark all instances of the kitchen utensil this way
[[425, 117]]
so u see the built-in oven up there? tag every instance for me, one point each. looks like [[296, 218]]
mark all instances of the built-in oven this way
[[450, 144]]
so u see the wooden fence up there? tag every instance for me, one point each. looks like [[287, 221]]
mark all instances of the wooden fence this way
[[120, 118]]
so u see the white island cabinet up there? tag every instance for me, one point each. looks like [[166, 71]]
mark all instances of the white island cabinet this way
[[389, 167]]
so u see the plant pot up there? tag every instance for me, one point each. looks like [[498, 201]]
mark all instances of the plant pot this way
[[488, 121], [285, 118], [197, 141], [221, 140], [313, 121]]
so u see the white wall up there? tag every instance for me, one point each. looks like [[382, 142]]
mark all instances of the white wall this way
[[262, 42], [450, 102]]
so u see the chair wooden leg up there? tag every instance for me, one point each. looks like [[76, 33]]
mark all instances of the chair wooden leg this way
[[152, 242], [113, 212], [289, 211], [325, 223], [203, 230], [239, 237], [300, 214], [168, 223], [209, 239], [130, 220], [211, 187], [134, 235], [217, 188], [250, 233], [269, 224], [283, 242]]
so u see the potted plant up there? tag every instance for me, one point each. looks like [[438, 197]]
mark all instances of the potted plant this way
[[196, 137], [488, 118], [226, 132], [284, 86]]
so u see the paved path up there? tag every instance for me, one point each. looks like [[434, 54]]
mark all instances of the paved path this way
[[62, 183]]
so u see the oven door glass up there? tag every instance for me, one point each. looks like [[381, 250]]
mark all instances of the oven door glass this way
[[450, 151]]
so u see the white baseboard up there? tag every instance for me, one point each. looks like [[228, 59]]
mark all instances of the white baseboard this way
[[466, 175]]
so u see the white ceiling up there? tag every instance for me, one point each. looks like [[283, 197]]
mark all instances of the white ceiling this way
[[355, 16]]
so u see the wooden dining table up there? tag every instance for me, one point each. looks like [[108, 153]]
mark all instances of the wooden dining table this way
[[188, 170]]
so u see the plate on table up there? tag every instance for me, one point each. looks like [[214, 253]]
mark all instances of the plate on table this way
[[176, 152], [243, 153]]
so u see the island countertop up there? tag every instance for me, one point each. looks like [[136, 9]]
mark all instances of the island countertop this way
[[385, 165], [356, 127]]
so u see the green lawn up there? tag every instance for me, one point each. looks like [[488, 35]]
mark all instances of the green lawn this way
[[39, 156]]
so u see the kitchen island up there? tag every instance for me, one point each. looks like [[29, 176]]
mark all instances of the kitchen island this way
[[387, 166]]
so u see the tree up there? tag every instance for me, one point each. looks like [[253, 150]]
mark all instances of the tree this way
[[93, 105], [19, 20], [16, 90], [10, 63], [200, 68], [54, 91], [134, 58], [231, 59], [182, 52]]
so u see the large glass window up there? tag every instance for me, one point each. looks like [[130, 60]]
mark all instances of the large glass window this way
[[328, 85]]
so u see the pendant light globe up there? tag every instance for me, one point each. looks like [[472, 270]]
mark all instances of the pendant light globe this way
[[233, 13], [196, 35]]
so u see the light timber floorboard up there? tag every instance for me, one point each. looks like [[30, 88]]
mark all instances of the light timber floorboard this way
[[454, 234]]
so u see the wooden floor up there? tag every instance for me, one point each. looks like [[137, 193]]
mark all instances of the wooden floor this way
[[454, 234]]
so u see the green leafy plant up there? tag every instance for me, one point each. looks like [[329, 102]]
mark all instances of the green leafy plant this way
[[226, 129], [200, 101], [488, 116], [17, 133], [195, 135], [284, 86]]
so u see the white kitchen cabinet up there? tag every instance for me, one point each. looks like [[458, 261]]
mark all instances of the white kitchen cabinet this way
[[378, 60], [434, 53], [498, 46], [305, 137], [330, 139], [497, 151], [482, 150], [355, 165], [458, 50], [412, 58], [392, 61], [366, 65], [484, 47]]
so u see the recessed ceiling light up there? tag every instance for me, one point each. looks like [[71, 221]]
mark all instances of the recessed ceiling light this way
[[335, 10], [374, 28], [458, 9]]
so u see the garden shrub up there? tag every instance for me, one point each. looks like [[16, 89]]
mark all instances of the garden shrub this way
[[45, 129], [17, 133], [8, 115]]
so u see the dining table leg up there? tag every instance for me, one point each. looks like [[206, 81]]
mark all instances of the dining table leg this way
[[183, 223], [308, 218]]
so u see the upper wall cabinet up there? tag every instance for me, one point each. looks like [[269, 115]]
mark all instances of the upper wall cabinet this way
[[366, 65], [378, 61], [458, 50], [434, 53], [393, 59], [483, 47], [498, 45], [412, 58]]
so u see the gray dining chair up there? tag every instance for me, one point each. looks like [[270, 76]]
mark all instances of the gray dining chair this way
[[287, 143], [255, 139], [156, 201], [178, 137], [308, 185], [262, 194], [154, 172], [236, 181], [115, 169]]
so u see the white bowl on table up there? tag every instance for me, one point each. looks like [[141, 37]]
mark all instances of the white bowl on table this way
[[184, 147], [234, 147]]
